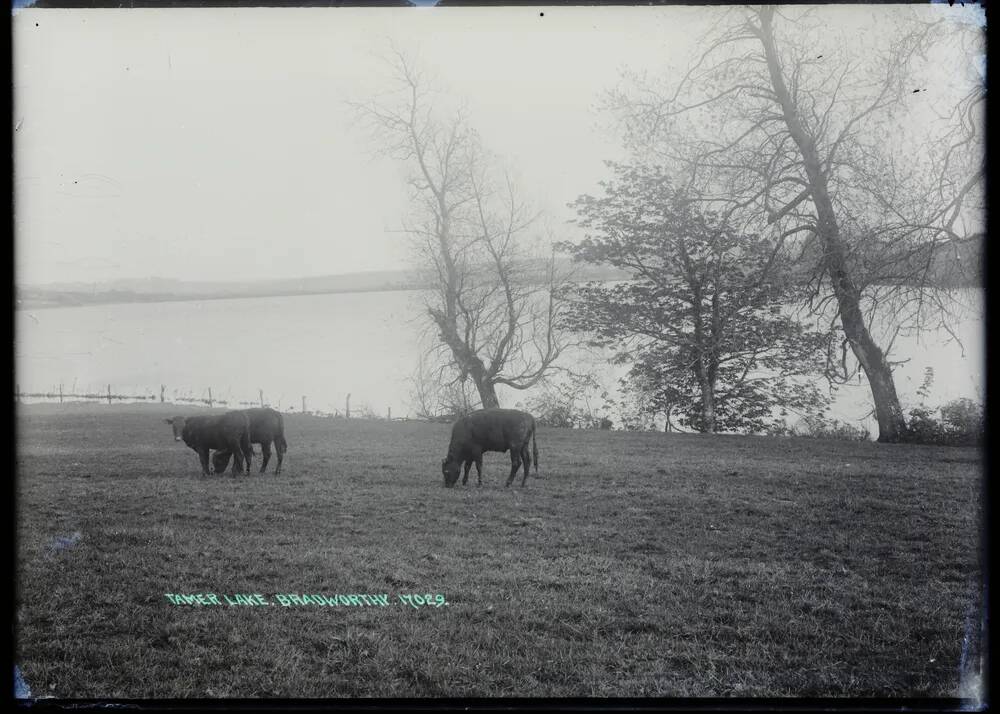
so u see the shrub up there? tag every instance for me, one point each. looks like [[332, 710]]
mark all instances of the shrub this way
[[819, 428], [551, 414], [567, 404], [779, 429], [961, 424], [924, 428], [965, 420]]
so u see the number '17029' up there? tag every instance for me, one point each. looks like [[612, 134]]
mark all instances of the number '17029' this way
[[428, 600]]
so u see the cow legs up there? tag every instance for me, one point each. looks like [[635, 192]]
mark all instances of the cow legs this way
[[247, 449], [242, 456], [465, 478], [515, 464], [265, 453], [526, 458], [203, 457], [479, 470], [241, 463], [237, 462]]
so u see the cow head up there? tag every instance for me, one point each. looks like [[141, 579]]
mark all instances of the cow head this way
[[450, 469], [178, 424]]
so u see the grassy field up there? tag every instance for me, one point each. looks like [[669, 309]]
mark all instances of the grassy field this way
[[639, 564]]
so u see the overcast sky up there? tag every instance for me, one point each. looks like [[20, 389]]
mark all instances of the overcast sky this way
[[215, 143]]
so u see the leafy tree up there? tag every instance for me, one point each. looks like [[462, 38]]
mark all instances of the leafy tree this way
[[829, 137], [703, 320]]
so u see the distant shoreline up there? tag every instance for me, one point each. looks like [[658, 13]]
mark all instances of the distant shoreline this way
[[138, 298], [157, 290], [64, 296]]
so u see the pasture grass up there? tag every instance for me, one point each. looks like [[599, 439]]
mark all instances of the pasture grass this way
[[640, 564]]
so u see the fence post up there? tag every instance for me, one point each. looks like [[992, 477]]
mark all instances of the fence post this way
[[388, 413], [303, 404], [347, 409], [109, 394], [261, 391], [60, 393], [209, 397]]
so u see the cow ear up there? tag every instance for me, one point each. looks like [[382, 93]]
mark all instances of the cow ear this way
[[169, 421]]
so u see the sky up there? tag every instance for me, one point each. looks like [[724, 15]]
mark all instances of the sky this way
[[216, 143]]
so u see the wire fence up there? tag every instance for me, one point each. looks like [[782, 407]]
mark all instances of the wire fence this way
[[108, 395]]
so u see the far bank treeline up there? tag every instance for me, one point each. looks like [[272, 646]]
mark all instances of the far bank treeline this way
[[164, 290], [941, 274]]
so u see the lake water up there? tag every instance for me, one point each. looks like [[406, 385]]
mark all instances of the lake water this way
[[326, 346]]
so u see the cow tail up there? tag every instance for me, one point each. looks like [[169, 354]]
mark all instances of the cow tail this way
[[534, 448]]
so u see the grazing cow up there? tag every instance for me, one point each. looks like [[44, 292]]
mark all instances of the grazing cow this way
[[226, 431], [266, 426], [490, 430]]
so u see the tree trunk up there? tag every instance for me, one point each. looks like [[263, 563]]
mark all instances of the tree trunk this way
[[892, 425], [467, 361], [487, 394], [707, 408], [888, 412]]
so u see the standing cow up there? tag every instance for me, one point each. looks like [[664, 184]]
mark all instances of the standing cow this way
[[267, 426], [230, 431], [490, 430]]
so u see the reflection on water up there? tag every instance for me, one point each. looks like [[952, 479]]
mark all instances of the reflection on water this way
[[325, 347]]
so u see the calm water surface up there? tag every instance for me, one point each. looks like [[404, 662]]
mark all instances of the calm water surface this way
[[326, 346]]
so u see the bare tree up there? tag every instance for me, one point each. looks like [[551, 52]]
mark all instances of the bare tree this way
[[496, 305], [796, 129], [435, 395]]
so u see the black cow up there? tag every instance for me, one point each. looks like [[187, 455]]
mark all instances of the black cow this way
[[490, 430], [266, 426], [229, 431]]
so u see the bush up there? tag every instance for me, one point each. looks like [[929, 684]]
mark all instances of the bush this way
[[567, 405], [961, 424], [565, 416], [819, 428], [924, 428], [965, 419], [549, 414], [778, 429]]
